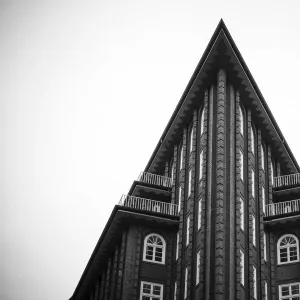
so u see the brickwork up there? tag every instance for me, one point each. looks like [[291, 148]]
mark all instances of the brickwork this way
[[202, 146], [182, 216], [220, 193], [239, 143]]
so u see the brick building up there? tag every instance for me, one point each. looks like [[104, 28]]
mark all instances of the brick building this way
[[215, 213]]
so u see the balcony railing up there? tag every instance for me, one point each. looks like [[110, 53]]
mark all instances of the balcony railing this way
[[281, 208], [287, 180], [149, 205], [155, 179]]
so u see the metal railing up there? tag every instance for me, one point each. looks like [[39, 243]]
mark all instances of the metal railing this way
[[287, 180], [281, 208], [149, 205], [155, 179]]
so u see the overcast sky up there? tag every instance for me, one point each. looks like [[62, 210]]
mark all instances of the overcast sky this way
[[86, 90]]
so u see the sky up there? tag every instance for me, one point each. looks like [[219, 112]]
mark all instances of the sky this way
[[86, 90]]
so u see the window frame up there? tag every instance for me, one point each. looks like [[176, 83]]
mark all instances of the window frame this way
[[241, 160], [290, 296], [279, 262], [252, 139], [202, 122], [198, 265], [254, 282], [201, 165], [186, 276], [242, 212], [253, 183], [272, 173], [187, 238], [199, 213], [181, 158], [266, 290], [263, 199], [163, 247], [179, 197], [191, 138], [254, 230], [242, 266], [190, 183], [151, 296], [265, 246], [241, 116], [262, 157]]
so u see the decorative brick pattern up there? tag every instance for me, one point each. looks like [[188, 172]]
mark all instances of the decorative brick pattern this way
[[202, 190], [220, 185], [209, 169], [239, 143]]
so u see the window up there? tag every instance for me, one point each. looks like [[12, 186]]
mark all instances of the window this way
[[242, 265], [154, 249], [181, 157], [199, 213], [241, 121], [242, 213], [241, 164], [265, 246], [254, 230], [151, 291], [179, 198], [288, 249], [175, 290], [266, 291], [262, 157], [198, 268], [263, 199], [252, 139], [272, 173], [172, 171], [253, 183], [177, 245], [202, 122], [187, 230], [201, 165], [191, 139], [289, 291], [186, 282], [190, 183], [254, 283]]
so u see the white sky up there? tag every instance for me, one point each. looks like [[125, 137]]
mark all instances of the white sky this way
[[86, 90]]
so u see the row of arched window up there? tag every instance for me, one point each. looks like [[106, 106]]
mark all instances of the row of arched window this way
[[155, 249]]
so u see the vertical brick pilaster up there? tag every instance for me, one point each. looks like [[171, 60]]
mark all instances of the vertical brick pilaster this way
[[219, 291], [121, 265], [238, 195]]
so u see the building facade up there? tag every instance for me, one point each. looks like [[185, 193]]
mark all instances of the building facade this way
[[215, 214]]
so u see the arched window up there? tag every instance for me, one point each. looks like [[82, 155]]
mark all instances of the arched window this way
[[252, 139], [154, 249], [241, 121], [287, 249]]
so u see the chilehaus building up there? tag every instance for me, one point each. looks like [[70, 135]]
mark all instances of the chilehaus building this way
[[216, 212]]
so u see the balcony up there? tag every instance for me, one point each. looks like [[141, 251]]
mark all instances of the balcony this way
[[286, 187], [154, 179], [287, 181], [152, 186], [283, 212], [148, 205]]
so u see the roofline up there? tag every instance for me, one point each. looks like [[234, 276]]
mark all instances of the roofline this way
[[221, 26], [105, 230]]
